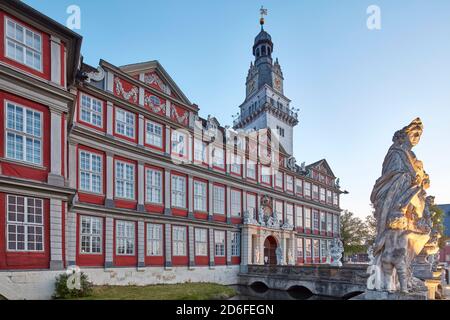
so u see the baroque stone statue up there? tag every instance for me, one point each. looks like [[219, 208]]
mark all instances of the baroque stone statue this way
[[399, 201], [336, 250]]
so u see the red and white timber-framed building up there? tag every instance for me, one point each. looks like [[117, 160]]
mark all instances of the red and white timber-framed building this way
[[112, 169]]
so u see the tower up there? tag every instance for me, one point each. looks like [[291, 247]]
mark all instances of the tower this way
[[265, 105]]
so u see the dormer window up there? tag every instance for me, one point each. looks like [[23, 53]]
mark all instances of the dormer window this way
[[23, 45]]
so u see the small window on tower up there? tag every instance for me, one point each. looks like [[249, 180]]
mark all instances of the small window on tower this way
[[257, 52], [263, 50]]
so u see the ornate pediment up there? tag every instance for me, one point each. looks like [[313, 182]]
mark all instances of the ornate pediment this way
[[322, 166]]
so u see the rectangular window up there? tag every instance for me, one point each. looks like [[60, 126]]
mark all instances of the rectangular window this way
[[289, 183], [329, 222], [315, 192], [179, 142], [290, 214], [279, 179], [307, 218], [265, 174], [200, 196], [335, 199], [251, 169], [125, 123], [219, 243], [279, 210], [200, 151], [124, 180], [298, 186], [91, 235], [91, 110], [323, 221], [322, 194], [315, 219], [91, 171], [201, 242], [218, 158], [125, 238], [154, 239], [236, 197], [323, 248], [235, 244], [153, 134], [316, 248], [25, 223], [236, 164], [219, 199], [178, 187], [299, 216], [153, 185], [335, 224], [307, 190], [251, 204], [23, 45], [23, 134], [329, 197], [179, 241], [300, 247], [308, 248]]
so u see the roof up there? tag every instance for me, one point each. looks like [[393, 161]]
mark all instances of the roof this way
[[446, 209], [321, 163]]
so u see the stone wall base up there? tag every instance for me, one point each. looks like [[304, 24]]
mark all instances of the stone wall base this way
[[39, 285], [384, 295]]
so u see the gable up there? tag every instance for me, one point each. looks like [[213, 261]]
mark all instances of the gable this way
[[322, 166], [153, 74]]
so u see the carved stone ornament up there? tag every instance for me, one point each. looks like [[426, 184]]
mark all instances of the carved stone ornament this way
[[399, 200], [336, 250], [95, 76], [127, 95], [291, 163]]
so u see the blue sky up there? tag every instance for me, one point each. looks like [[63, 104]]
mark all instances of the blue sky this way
[[354, 86]]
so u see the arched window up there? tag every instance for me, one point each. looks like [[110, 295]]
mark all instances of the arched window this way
[[257, 52], [268, 51], [263, 50]]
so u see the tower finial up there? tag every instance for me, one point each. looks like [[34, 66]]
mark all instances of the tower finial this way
[[263, 13]]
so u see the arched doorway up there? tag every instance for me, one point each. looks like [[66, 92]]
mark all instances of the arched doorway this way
[[270, 246]]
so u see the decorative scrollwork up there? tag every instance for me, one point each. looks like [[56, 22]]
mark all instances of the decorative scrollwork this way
[[127, 95], [154, 103]]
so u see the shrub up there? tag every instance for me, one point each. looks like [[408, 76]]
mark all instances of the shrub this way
[[63, 290]]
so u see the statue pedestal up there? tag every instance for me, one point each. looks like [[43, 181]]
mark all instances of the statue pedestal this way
[[385, 295], [422, 270], [432, 286]]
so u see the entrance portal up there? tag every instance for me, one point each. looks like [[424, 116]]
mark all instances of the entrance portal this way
[[270, 246]]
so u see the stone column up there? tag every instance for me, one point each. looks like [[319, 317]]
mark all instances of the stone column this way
[[227, 158], [190, 149], [55, 65], [244, 202], [55, 176], [141, 243], [141, 191], [168, 141], [109, 81], [191, 247], [167, 183], [141, 131], [56, 216], [73, 158], [109, 201], [168, 247], [228, 203], [190, 197], [71, 238], [228, 246], [168, 107], [244, 167], [210, 201], [212, 251], [109, 118], [109, 241], [141, 96], [246, 254]]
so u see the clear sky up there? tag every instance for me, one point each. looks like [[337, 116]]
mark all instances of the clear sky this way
[[354, 86]]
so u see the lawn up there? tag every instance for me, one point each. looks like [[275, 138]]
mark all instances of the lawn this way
[[184, 291]]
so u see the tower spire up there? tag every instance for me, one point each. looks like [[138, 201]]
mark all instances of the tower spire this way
[[263, 13]]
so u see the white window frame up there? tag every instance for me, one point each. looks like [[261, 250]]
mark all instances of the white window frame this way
[[89, 109], [25, 48], [178, 143], [298, 185], [91, 234], [90, 174], [128, 237], [178, 195], [235, 244], [25, 224], [179, 241], [126, 125], [236, 202], [24, 133], [316, 222], [218, 199], [151, 137], [307, 214], [323, 220], [235, 164], [125, 180], [289, 183], [200, 196], [329, 197], [315, 192], [153, 188], [219, 243], [329, 222], [251, 169], [299, 216], [290, 213], [279, 179], [218, 158], [322, 194], [201, 242], [200, 151], [335, 199], [265, 177], [300, 245], [307, 189], [278, 204], [316, 249], [253, 204], [155, 240], [308, 248]]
